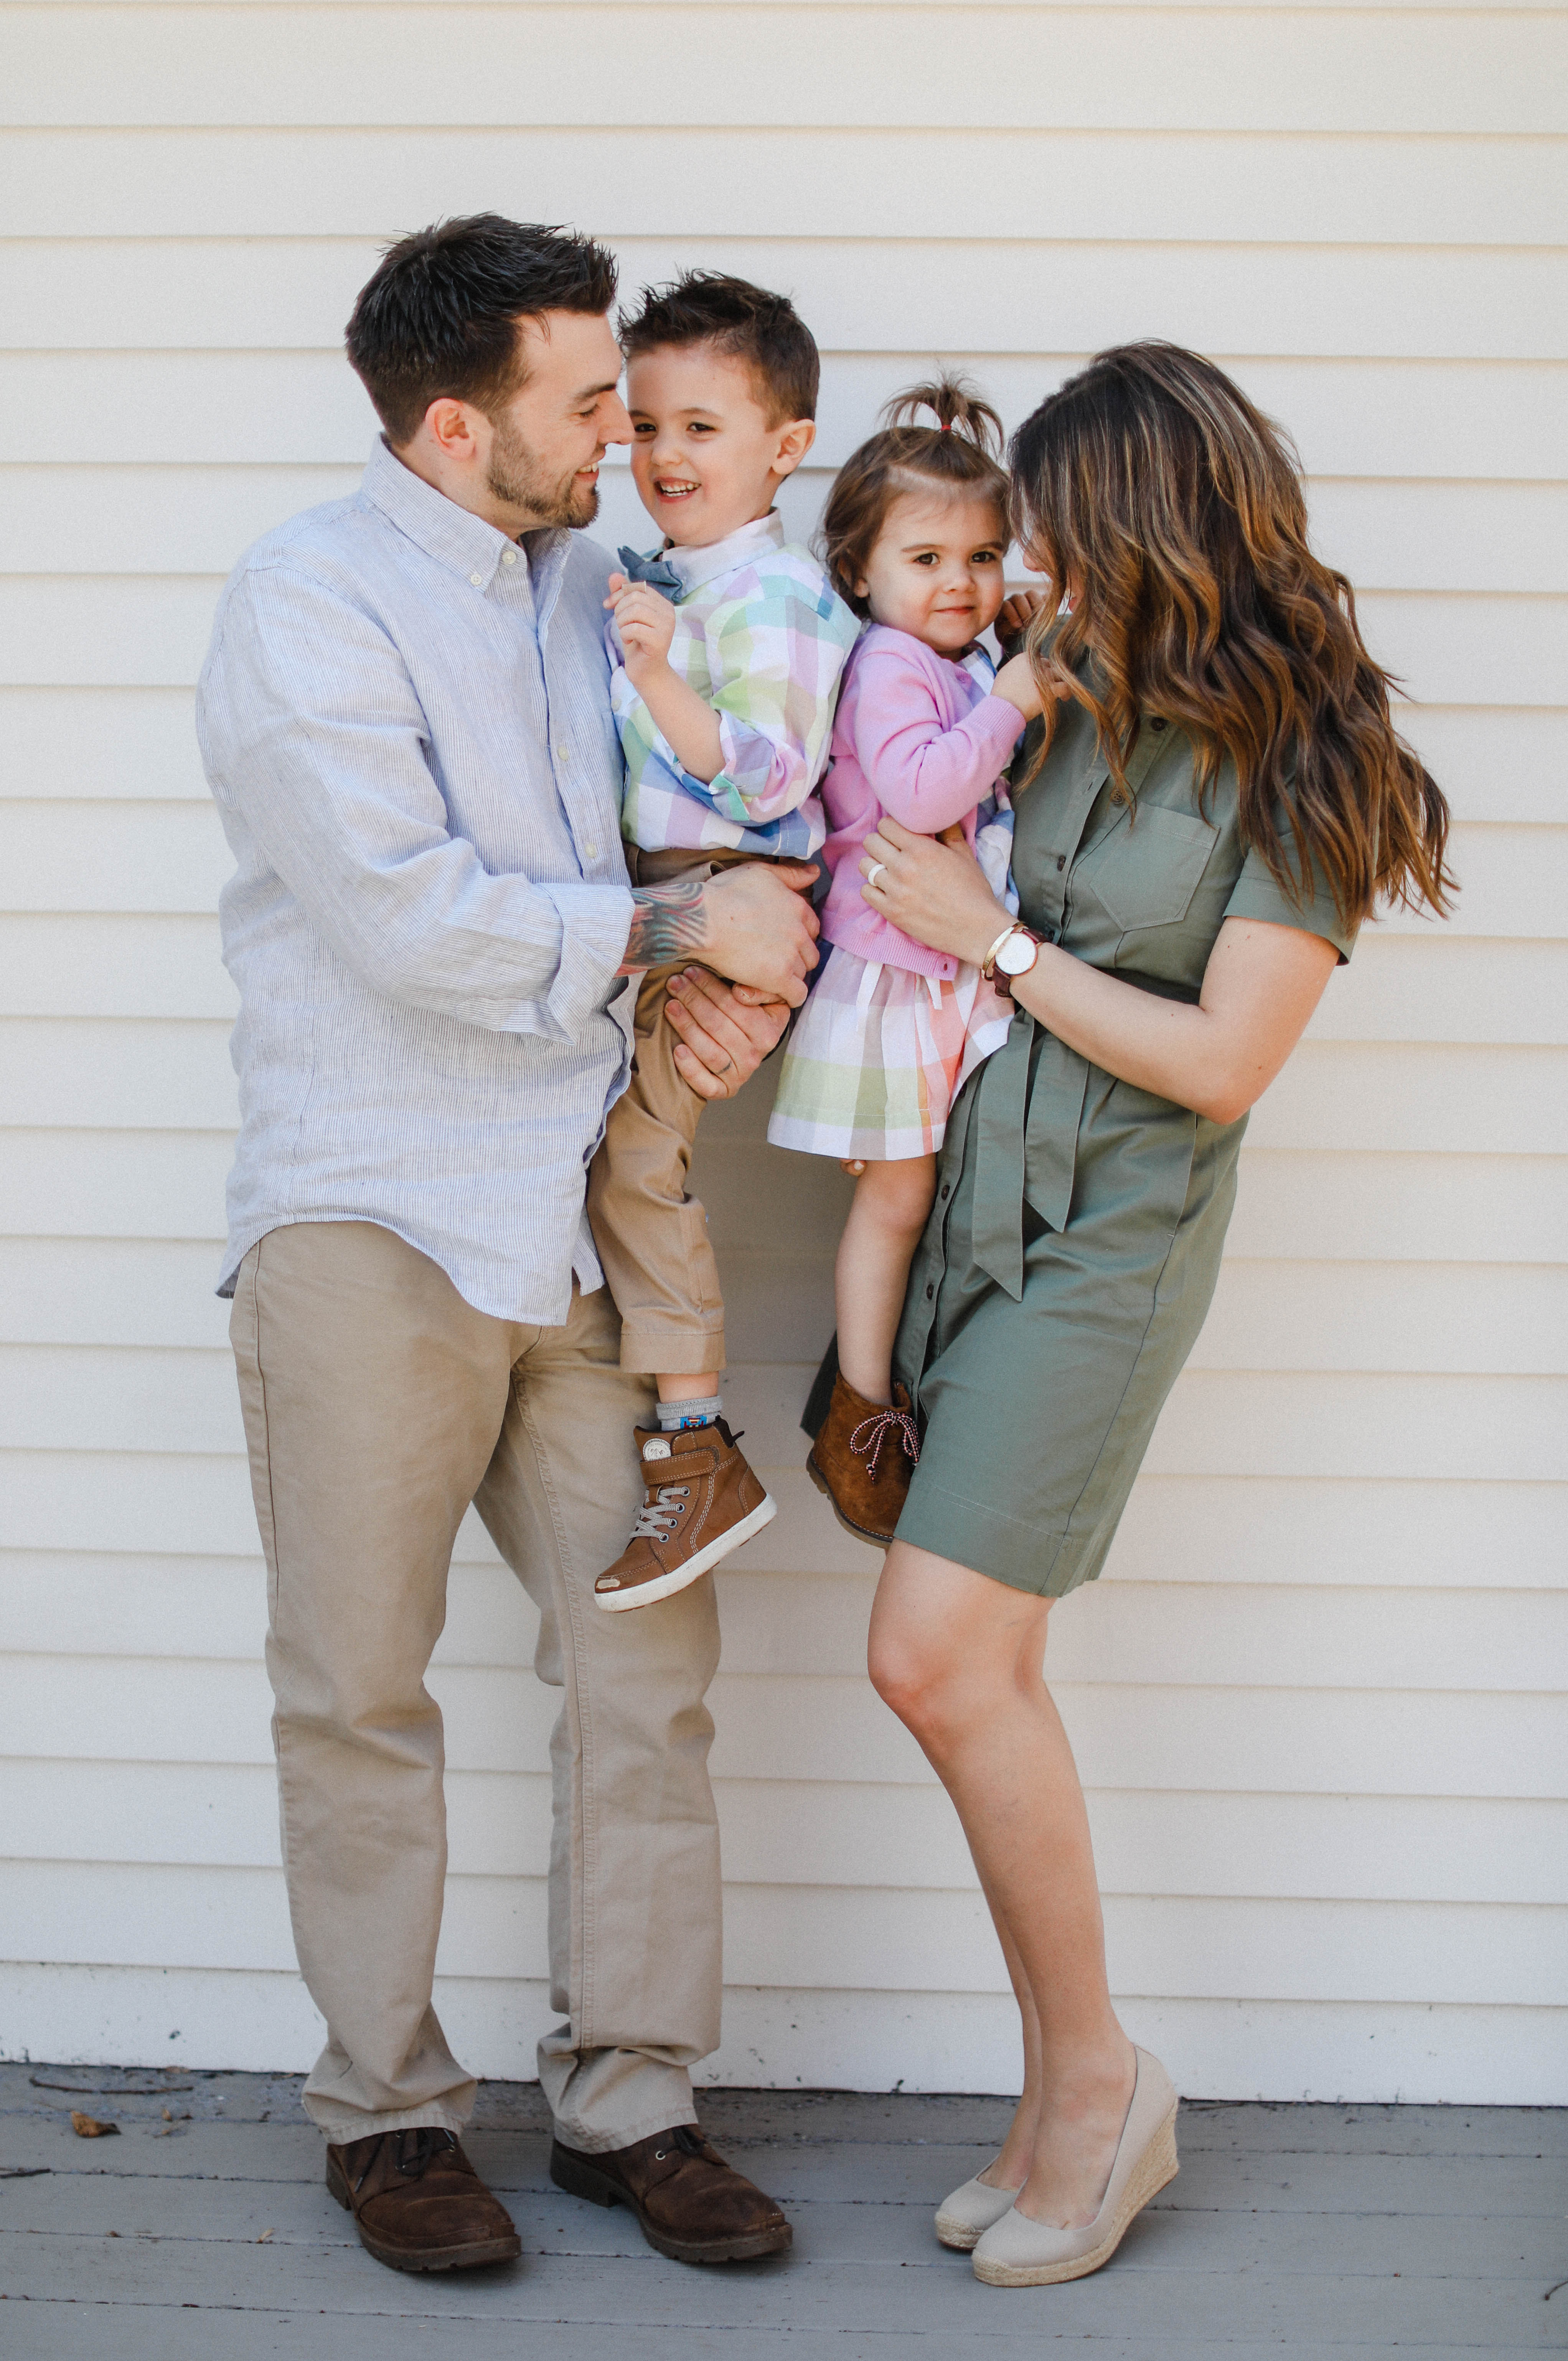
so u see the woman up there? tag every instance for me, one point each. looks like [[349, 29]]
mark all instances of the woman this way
[[1218, 799]]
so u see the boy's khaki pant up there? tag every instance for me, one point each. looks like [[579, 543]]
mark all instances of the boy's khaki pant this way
[[652, 1235], [377, 1403]]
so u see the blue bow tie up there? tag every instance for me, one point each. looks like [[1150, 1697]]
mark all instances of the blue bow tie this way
[[657, 572]]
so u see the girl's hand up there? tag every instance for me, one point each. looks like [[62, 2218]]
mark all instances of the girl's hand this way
[[645, 620], [1018, 611], [935, 892], [1016, 684]]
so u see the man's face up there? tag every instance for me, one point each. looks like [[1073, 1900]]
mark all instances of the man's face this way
[[545, 446]]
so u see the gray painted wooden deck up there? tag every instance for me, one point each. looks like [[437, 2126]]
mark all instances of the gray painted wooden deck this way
[[204, 2233]]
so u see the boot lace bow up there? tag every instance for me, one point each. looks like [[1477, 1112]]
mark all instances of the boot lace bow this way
[[869, 1437]]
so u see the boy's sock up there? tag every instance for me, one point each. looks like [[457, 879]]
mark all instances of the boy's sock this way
[[673, 1416]]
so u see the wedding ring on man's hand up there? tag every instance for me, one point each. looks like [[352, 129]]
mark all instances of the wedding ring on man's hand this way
[[876, 869]]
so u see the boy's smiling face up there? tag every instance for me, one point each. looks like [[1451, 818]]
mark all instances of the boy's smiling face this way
[[706, 455]]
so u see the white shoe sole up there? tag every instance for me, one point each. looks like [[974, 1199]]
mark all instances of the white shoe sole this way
[[1155, 2169], [648, 1594]]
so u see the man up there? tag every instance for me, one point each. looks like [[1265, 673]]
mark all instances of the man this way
[[405, 721]]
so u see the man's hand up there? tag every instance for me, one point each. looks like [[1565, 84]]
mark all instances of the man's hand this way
[[725, 1034], [752, 923], [761, 930], [646, 622]]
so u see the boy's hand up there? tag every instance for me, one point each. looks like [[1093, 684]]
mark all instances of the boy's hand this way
[[645, 620]]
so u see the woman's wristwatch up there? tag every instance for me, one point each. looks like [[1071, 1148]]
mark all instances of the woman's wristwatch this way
[[1013, 954]]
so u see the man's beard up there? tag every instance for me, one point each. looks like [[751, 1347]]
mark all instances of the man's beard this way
[[517, 478]]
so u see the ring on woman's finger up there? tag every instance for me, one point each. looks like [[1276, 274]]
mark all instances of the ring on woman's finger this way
[[877, 869]]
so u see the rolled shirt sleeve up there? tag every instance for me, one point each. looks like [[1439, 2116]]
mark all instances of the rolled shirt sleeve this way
[[775, 661], [311, 731], [1257, 894]]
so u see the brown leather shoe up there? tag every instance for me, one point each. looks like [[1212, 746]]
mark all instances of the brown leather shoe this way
[[417, 2204], [863, 1459], [702, 1502], [692, 2206]]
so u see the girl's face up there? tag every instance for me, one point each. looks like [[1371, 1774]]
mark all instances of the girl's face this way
[[936, 570]]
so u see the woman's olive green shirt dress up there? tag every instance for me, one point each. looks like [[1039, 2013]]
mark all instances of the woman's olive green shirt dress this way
[[1072, 1250]]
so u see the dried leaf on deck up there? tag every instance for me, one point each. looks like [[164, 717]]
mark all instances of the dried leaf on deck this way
[[89, 2127]]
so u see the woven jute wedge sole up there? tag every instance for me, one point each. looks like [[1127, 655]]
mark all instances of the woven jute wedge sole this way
[[1155, 2169]]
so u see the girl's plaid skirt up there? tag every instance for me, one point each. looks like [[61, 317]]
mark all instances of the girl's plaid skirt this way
[[877, 1056]]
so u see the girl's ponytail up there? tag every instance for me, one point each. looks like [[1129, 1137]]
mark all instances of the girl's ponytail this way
[[958, 409]]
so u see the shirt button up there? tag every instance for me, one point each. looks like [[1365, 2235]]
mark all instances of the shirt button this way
[[478, 581], [562, 754], [1061, 861], [508, 557], [930, 1292], [593, 851], [946, 1186]]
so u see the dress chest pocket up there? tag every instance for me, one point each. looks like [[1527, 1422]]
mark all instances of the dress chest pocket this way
[[1148, 869]]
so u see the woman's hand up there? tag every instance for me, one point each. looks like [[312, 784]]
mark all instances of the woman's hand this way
[[934, 892]]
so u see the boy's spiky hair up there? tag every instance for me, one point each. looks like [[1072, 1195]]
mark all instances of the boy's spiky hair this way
[[747, 323]]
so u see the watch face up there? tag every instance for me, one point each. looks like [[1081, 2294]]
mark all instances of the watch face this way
[[1017, 955]]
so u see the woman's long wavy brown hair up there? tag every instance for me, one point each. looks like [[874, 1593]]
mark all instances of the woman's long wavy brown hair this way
[[1171, 515]]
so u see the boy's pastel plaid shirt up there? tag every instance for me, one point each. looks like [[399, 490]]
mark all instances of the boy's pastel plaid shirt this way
[[764, 638]]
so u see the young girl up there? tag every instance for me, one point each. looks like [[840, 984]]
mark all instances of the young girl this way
[[914, 538]]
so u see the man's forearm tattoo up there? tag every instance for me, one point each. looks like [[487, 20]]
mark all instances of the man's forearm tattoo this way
[[667, 923]]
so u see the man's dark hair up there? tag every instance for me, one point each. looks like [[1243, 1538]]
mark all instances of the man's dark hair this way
[[765, 331], [438, 316]]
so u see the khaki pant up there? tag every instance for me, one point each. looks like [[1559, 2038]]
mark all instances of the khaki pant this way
[[378, 1404], [651, 1236]]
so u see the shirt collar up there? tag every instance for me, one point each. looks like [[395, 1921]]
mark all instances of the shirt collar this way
[[454, 536], [696, 566]]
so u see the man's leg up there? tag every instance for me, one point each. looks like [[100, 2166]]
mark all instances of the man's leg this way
[[635, 1936], [635, 1964], [373, 1396]]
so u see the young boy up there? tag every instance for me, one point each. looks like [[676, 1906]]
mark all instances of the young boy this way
[[729, 645]]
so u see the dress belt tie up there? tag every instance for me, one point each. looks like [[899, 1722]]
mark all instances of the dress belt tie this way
[[1027, 1141]]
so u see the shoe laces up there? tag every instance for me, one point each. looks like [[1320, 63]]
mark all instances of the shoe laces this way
[[662, 1512], [412, 2151], [876, 1431]]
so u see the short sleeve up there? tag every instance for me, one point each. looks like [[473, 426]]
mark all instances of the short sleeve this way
[[1259, 894]]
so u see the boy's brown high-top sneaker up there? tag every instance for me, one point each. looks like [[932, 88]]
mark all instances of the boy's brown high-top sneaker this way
[[863, 1458], [702, 1502]]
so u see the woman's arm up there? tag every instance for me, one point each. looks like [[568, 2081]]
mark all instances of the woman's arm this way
[[1260, 986]]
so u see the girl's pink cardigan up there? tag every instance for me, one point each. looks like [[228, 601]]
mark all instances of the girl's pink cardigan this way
[[917, 736]]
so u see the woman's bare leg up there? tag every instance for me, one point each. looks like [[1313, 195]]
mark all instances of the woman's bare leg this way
[[959, 1659], [1012, 2166], [887, 1218]]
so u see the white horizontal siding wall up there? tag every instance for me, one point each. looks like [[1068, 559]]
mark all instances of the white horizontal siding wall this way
[[1318, 1699]]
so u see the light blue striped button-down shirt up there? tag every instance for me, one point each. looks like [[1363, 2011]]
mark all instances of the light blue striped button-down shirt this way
[[405, 720]]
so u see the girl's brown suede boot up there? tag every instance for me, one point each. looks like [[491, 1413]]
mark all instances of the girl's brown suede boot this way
[[863, 1458]]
